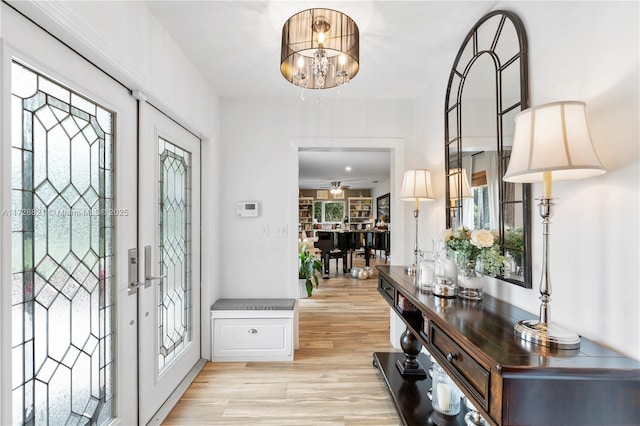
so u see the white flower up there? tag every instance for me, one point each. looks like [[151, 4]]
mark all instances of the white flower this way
[[447, 235], [482, 238]]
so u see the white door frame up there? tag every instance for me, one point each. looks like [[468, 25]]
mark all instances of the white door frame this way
[[397, 157], [55, 16], [157, 386], [73, 71]]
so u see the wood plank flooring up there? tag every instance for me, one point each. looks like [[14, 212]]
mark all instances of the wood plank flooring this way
[[330, 382]]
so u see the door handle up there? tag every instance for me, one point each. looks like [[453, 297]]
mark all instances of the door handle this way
[[134, 284], [148, 277], [132, 255]]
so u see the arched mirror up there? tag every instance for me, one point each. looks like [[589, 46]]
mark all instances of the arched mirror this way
[[488, 86]]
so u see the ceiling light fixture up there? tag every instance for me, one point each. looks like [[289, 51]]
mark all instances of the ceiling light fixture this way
[[320, 49], [335, 187]]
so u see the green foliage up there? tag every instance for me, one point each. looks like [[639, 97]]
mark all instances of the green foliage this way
[[310, 266], [492, 261], [514, 243], [334, 212], [514, 238], [475, 250]]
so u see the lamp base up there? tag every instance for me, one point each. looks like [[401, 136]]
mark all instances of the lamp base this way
[[546, 334]]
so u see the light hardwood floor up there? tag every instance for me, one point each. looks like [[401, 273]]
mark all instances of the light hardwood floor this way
[[330, 382]]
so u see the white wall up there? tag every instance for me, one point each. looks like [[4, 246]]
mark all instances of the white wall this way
[[259, 162], [125, 40], [585, 51]]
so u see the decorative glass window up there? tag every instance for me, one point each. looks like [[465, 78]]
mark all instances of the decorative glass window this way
[[174, 211], [62, 254]]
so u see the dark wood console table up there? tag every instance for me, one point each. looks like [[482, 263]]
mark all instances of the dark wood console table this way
[[510, 381]]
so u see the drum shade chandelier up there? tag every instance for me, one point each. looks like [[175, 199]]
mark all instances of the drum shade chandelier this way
[[320, 49]]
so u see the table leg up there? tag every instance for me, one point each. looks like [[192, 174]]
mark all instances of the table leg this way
[[411, 347]]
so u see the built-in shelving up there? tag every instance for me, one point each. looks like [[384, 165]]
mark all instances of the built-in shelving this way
[[305, 213], [360, 209]]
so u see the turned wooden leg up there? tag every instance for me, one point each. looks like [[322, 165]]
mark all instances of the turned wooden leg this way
[[411, 347]]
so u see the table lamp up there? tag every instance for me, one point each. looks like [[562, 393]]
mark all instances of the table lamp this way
[[416, 187], [458, 189], [550, 142]]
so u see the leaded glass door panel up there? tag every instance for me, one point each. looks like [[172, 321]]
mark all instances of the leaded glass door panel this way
[[72, 326], [169, 223]]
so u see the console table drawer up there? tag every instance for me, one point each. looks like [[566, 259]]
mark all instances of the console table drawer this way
[[473, 376], [387, 291]]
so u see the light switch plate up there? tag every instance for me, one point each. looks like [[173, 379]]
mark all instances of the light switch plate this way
[[281, 231]]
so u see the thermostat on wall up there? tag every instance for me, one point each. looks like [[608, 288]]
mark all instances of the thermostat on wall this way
[[247, 209]]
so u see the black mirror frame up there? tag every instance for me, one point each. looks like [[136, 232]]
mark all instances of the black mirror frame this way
[[503, 157]]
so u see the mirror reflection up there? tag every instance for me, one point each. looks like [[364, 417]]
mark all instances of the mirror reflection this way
[[488, 86]]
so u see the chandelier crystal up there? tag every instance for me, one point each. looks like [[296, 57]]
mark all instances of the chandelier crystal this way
[[320, 49]]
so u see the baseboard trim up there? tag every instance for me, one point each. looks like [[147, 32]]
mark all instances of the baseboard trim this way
[[175, 396]]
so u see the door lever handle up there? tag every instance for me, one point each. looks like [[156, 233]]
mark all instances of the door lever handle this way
[[155, 278], [148, 275], [133, 271]]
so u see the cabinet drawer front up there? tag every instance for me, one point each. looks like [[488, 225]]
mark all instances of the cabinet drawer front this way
[[252, 337], [387, 291], [472, 375]]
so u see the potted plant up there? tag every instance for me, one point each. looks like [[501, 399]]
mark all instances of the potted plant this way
[[308, 269]]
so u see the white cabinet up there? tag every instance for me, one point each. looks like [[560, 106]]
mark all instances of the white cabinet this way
[[253, 329]]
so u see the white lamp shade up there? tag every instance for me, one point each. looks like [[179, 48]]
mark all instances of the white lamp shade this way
[[416, 185], [454, 184], [552, 138]]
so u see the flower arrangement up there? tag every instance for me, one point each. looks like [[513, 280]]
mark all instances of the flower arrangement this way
[[473, 249]]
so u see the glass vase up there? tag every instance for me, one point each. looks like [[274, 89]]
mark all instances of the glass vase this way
[[470, 278]]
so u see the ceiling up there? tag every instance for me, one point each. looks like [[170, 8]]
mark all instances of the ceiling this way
[[318, 168], [236, 46]]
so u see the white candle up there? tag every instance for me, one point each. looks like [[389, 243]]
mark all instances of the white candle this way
[[444, 397], [428, 273], [450, 269], [546, 190]]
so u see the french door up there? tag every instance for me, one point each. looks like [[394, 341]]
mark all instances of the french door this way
[[79, 343], [169, 224]]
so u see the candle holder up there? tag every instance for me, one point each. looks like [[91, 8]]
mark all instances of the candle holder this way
[[445, 398], [473, 417]]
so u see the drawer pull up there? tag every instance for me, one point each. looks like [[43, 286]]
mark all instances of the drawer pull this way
[[252, 331], [451, 357]]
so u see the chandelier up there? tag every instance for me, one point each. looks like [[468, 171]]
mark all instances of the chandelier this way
[[320, 49], [335, 188]]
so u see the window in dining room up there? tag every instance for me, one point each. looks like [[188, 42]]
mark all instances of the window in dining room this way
[[329, 211]]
